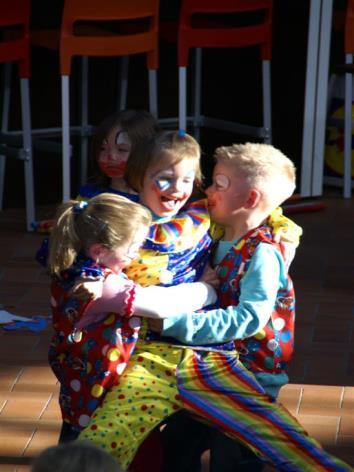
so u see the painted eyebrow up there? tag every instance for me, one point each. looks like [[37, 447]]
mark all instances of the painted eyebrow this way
[[221, 180]]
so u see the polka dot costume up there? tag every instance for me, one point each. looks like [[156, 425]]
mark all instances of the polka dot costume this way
[[271, 348], [88, 362]]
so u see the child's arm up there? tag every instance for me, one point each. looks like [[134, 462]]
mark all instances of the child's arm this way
[[151, 302], [210, 277], [259, 288], [87, 288]]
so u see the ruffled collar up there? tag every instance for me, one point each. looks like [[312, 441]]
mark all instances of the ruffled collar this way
[[182, 230]]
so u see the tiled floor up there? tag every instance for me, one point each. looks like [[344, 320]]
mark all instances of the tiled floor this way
[[321, 393]]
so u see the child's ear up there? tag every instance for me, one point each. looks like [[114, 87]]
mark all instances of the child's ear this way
[[96, 251], [253, 198]]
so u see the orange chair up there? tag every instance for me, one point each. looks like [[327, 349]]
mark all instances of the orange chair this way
[[108, 28], [14, 47], [201, 25]]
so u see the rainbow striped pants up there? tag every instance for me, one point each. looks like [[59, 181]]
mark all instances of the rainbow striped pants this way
[[161, 379]]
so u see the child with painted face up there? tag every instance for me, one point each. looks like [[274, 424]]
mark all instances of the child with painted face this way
[[164, 375], [93, 340], [164, 171], [114, 141]]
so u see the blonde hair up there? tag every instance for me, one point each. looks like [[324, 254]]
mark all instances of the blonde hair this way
[[164, 149], [107, 219], [263, 167]]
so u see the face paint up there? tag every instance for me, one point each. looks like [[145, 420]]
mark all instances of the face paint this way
[[113, 169], [122, 138], [164, 181], [165, 191], [221, 182], [114, 154]]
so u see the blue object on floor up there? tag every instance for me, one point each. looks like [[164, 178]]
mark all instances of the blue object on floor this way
[[36, 323]]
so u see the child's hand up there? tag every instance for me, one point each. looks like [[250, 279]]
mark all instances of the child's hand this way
[[209, 276], [155, 325], [87, 289], [284, 229]]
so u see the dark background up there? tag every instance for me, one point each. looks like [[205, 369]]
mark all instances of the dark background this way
[[231, 90]]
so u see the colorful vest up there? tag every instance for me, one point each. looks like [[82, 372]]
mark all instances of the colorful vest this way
[[271, 348], [89, 362], [176, 250]]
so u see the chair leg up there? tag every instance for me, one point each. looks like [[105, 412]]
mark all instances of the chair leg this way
[[123, 93], [84, 120], [6, 79], [197, 92], [153, 92], [65, 136], [267, 110], [331, 88], [182, 97], [348, 129], [27, 147]]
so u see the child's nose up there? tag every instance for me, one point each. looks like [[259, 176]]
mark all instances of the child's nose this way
[[176, 186], [208, 191]]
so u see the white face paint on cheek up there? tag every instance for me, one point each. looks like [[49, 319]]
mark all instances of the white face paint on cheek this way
[[162, 183], [122, 138], [222, 182]]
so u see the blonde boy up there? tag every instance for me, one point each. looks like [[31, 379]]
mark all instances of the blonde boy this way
[[256, 294]]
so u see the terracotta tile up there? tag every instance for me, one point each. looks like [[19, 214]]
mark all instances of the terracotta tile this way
[[9, 376], [36, 378], [320, 395], [14, 439], [52, 410], [290, 397], [44, 437], [52, 414], [348, 399], [27, 407], [3, 400], [346, 427], [322, 428]]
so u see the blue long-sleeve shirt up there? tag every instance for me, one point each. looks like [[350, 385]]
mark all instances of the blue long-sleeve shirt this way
[[259, 286]]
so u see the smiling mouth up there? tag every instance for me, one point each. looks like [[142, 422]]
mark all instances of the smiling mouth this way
[[169, 204]]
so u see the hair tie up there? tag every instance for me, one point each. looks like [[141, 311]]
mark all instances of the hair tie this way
[[78, 207], [182, 133]]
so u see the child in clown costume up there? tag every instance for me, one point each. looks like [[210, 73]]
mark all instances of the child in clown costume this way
[[255, 285], [92, 343], [113, 142], [208, 380]]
